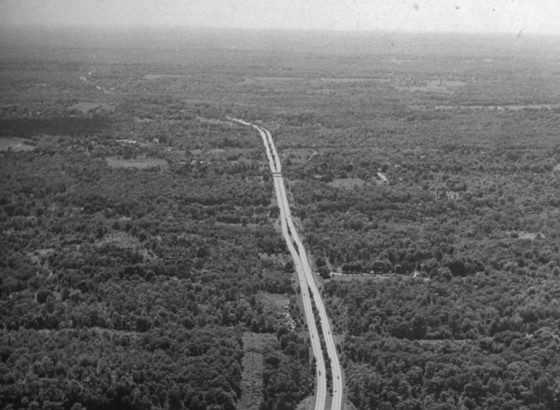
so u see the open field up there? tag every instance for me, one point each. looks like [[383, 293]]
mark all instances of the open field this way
[[347, 183], [254, 346], [138, 163], [15, 144]]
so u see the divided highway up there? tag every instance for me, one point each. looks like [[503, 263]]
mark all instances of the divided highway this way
[[307, 282]]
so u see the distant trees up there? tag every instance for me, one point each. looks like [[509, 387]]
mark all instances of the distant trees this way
[[29, 127]]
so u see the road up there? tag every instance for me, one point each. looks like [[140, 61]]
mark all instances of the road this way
[[307, 282]]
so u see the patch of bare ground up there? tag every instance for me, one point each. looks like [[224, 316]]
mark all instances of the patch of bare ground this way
[[277, 309], [252, 364], [138, 163], [347, 183], [15, 144], [339, 276], [531, 236]]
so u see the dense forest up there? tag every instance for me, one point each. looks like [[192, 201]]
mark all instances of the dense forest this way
[[118, 284], [141, 264], [127, 288], [436, 235], [483, 341], [132, 268]]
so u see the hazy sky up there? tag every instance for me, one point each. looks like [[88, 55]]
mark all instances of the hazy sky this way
[[509, 16]]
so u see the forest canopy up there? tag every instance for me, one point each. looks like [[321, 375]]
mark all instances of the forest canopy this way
[[141, 263]]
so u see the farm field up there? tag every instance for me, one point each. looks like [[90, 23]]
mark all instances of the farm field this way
[[15, 144], [141, 263]]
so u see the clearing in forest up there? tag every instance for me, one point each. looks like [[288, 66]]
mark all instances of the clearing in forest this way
[[138, 163], [347, 183], [15, 144], [85, 107], [254, 345]]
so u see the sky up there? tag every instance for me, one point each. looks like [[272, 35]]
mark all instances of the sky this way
[[470, 16]]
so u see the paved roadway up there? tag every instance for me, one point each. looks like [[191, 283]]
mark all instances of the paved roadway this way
[[306, 279]]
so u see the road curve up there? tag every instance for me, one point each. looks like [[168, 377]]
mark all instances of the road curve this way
[[306, 280], [325, 325]]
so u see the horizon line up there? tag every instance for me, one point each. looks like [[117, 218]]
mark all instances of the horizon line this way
[[521, 33]]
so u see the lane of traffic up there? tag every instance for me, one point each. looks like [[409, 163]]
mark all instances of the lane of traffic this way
[[283, 205]]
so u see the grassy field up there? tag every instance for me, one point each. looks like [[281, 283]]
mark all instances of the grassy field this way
[[254, 345], [137, 163], [347, 183], [15, 144]]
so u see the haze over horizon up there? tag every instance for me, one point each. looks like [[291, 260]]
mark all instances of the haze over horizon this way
[[459, 16]]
